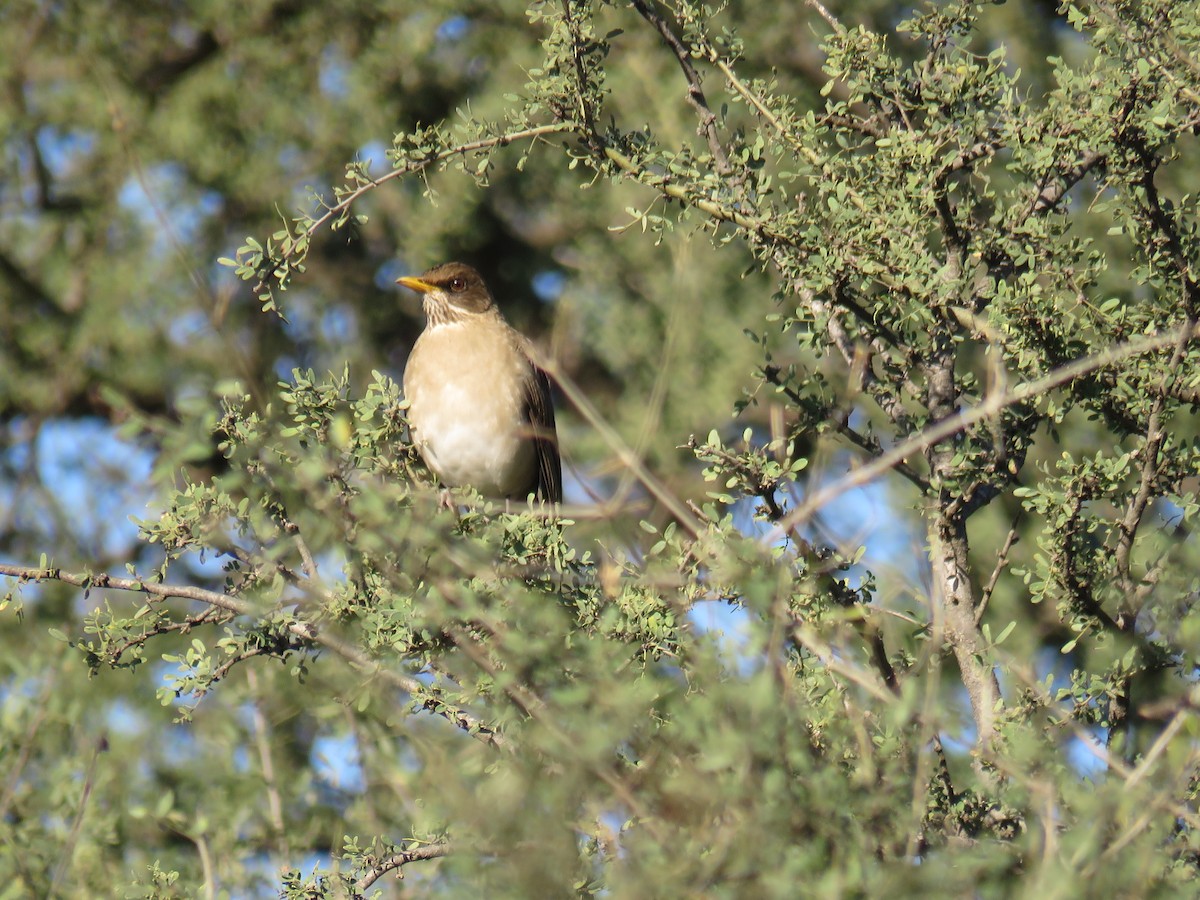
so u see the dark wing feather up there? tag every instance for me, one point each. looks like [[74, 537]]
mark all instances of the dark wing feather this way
[[539, 412]]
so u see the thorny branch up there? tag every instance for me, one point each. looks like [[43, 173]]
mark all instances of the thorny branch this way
[[1051, 194], [397, 861], [990, 406], [304, 630], [985, 595], [841, 421], [1150, 453], [273, 265], [695, 93]]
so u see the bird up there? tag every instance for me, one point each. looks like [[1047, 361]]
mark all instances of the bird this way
[[479, 409]]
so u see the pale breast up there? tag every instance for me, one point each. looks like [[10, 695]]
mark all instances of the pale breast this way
[[465, 383]]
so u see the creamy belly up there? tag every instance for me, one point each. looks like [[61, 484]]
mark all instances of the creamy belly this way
[[466, 412]]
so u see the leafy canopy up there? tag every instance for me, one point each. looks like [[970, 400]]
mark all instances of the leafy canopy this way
[[932, 284]]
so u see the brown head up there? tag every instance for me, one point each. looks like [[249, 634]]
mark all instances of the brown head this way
[[451, 292]]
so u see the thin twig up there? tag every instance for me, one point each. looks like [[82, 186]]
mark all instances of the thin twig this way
[[17, 766], [397, 861], [695, 93], [417, 165], [808, 638], [300, 628], [1001, 562], [262, 742], [830, 18], [67, 851], [1050, 195], [1160, 745], [710, 207], [623, 451], [990, 406]]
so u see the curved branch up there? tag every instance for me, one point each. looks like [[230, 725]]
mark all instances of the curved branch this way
[[1050, 195], [672, 190], [988, 408], [1151, 462], [398, 860], [304, 630], [268, 271], [695, 93]]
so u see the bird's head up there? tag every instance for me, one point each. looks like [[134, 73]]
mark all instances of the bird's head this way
[[450, 292]]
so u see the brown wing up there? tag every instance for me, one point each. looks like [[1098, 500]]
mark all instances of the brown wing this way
[[539, 412]]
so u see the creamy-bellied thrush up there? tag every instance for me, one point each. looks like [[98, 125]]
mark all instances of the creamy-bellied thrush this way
[[479, 408]]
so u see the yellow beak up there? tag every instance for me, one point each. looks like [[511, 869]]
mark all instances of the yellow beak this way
[[416, 284]]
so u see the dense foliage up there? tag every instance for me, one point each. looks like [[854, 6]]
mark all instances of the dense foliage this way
[[919, 619]]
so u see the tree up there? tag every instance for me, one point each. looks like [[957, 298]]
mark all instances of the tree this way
[[963, 255]]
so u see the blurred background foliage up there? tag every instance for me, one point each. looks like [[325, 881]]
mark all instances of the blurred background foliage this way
[[663, 736]]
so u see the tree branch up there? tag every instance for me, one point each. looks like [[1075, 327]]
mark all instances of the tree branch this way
[[302, 629], [1150, 453], [990, 406], [272, 266], [841, 421], [1049, 196], [397, 861], [695, 93], [262, 742], [1001, 561]]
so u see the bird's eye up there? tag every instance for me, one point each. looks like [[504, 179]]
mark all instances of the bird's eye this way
[[458, 285]]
